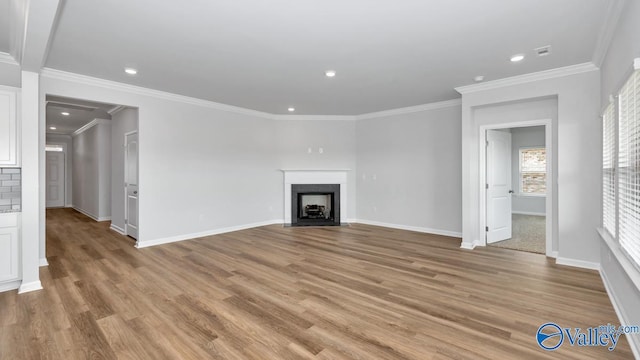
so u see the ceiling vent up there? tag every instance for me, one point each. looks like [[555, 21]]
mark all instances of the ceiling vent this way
[[543, 51]]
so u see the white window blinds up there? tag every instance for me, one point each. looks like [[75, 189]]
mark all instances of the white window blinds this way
[[608, 170], [629, 167]]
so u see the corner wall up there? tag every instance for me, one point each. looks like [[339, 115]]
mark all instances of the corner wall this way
[[409, 171]]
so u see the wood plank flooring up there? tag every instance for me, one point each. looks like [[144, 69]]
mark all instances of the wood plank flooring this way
[[357, 292]]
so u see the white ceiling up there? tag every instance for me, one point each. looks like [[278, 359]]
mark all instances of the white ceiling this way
[[5, 32], [269, 55], [81, 112]]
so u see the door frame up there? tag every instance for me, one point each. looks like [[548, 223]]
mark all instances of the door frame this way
[[549, 216], [126, 211]]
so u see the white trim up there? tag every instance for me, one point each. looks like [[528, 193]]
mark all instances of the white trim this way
[[636, 64], [625, 263], [6, 58], [93, 123], [482, 150], [117, 229], [44, 262], [138, 90], [528, 213], [12, 285], [143, 244], [411, 228], [469, 246], [634, 341], [411, 109], [94, 217], [32, 286], [614, 11], [554, 254], [114, 110], [527, 78], [577, 263]]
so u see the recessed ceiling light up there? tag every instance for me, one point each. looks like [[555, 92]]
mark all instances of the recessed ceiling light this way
[[291, 109], [52, 127], [478, 78], [130, 71], [330, 73], [64, 113], [516, 58]]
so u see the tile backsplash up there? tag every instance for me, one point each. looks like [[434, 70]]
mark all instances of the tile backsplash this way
[[10, 190]]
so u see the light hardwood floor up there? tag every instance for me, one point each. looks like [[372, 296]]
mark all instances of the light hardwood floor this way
[[358, 292]]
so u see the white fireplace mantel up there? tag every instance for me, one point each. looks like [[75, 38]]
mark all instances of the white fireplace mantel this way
[[312, 176]]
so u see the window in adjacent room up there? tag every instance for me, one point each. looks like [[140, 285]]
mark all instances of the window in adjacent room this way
[[533, 171]]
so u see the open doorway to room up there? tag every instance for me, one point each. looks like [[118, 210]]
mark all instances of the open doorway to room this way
[[516, 188], [91, 164]]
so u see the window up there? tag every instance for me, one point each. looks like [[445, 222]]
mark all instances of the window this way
[[533, 171], [49, 147], [621, 168], [629, 167]]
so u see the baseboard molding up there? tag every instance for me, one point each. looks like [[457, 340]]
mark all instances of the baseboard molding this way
[[10, 286], [44, 262], [577, 263], [554, 254], [32, 286], [468, 246], [634, 341], [528, 213], [411, 228], [143, 244], [117, 229], [94, 217]]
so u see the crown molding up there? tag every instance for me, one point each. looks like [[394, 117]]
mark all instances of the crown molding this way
[[614, 11], [527, 78], [6, 58], [93, 123], [411, 109], [138, 90]]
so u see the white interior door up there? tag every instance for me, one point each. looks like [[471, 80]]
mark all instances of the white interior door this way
[[498, 186], [55, 179], [131, 184]]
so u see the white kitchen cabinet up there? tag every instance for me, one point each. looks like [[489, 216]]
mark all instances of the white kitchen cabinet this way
[[9, 251], [9, 127]]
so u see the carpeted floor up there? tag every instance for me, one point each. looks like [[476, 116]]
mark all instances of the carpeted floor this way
[[528, 234]]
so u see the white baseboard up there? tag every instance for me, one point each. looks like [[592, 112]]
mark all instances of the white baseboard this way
[[528, 213], [554, 254], [143, 244], [578, 263], [69, 206], [44, 262], [468, 246], [94, 217], [12, 285], [117, 229], [411, 228], [32, 286], [634, 341]]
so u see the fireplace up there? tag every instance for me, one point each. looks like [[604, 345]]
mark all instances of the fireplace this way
[[315, 204]]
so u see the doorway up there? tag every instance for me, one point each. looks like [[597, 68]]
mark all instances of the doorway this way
[[517, 187], [55, 176], [131, 184]]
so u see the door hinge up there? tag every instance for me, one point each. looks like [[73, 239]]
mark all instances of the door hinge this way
[[487, 229], [487, 186], [487, 144]]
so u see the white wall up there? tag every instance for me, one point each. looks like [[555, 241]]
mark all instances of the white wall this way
[[66, 140], [577, 146], [293, 138], [621, 280], [525, 137], [122, 122], [409, 170], [91, 171]]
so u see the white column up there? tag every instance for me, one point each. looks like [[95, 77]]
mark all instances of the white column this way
[[30, 155]]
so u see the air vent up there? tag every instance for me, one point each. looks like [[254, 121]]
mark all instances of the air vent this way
[[543, 51]]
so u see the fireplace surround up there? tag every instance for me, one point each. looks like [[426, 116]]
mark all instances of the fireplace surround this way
[[315, 204], [335, 177]]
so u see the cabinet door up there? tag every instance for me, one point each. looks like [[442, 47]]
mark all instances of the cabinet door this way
[[8, 129], [8, 253]]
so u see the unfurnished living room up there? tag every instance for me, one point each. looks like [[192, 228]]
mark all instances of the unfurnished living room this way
[[304, 179]]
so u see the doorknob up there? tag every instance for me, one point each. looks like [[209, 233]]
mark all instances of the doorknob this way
[[510, 191], [135, 193]]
